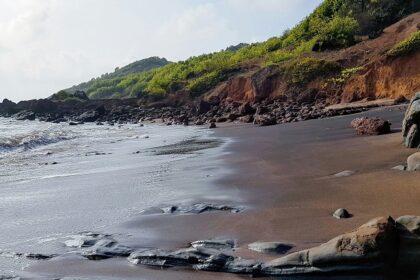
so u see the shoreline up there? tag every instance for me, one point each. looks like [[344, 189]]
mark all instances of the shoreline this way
[[291, 193]]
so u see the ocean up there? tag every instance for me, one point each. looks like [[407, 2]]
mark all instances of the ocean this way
[[57, 180]]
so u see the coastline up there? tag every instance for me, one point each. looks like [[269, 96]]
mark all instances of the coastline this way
[[289, 192]]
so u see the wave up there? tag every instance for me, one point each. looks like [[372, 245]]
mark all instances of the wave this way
[[31, 140]]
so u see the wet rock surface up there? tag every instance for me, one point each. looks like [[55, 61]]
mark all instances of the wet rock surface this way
[[97, 246], [118, 111], [371, 126], [270, 247], [411, 122], [379, 245], [199, 208]]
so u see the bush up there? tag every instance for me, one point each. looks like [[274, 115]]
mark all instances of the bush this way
[[407, 46], [345, 74], [301, 71], [338, 33], [204, 83]]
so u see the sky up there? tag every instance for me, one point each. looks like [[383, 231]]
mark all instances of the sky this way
[[49, 45]]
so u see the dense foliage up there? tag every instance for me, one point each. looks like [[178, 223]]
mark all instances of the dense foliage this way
[[406, 46], [334, 24]]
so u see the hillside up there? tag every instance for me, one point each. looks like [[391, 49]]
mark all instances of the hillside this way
[[338, 52], [130, 69]]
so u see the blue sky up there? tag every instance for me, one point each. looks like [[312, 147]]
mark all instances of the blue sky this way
[[47, 45]]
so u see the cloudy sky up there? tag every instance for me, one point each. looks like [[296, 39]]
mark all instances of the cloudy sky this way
[[48, 45]]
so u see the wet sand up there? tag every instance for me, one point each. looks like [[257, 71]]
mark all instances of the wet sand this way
[[283, 175]]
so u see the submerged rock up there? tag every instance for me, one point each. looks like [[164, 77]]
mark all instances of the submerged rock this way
[[371, 126], [198, 258], [98, 246], [107, 248], [33, 256], [25, 115], [344, 173], [270, 247], [214, 244], [199, 208]]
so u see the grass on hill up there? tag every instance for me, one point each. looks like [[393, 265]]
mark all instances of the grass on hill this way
[[333, 25]]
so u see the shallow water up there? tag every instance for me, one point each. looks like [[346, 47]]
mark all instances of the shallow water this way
[[57, 180]]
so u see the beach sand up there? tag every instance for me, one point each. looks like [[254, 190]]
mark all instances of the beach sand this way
[[284, 177]]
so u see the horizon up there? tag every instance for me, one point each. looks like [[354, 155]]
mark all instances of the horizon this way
[[53, 45]]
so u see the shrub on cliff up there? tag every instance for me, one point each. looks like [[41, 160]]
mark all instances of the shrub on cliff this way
[[304, 70], [407, 46]]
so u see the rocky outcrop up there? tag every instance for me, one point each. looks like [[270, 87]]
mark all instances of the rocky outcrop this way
[[371, 126], [411, 122], [371, 247], [380, 246]]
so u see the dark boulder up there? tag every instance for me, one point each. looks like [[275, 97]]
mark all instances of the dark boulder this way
[[371, 126], [246, 109], [411, 122], [81, 95], [89, 116], [202, 107], [25, 115]]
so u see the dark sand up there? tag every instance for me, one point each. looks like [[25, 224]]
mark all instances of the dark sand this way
[[285, 174]]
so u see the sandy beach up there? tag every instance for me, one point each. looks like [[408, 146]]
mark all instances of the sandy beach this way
[[283, 176]]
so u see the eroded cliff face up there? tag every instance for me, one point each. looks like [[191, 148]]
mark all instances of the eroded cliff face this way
[[379, 76]]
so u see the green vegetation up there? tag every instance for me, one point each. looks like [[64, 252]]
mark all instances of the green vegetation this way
[[64, 96], [303, 70], [345, 74], [407, 46], [334, 24]]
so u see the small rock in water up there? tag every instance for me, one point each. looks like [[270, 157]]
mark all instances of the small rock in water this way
[[341, 214], [270, 247], [85, 239], [38, 256], [214, 244], [344, 173], [198, 208], [212, 125]]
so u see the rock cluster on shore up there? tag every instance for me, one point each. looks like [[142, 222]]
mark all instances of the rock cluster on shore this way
[[266, 112], [380, 246]]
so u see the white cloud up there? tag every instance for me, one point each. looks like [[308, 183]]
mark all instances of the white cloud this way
[[47, 45]]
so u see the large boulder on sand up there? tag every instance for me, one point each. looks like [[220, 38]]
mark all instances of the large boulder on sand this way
[[370, 247], [409, 243], [413, 162], [371, 126], [411, 123]]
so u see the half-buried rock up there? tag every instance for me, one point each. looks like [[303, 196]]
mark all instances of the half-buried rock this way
[[413, 162], [371, 126], [270, 247], [342, 214]]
